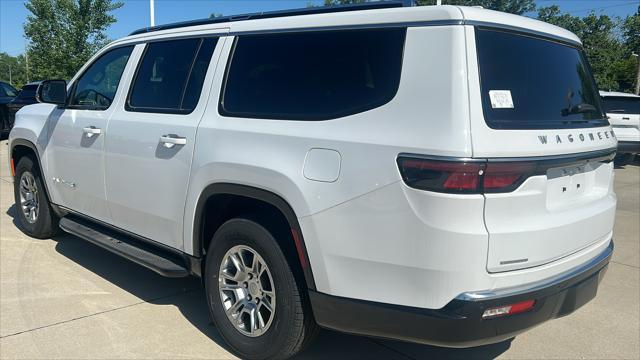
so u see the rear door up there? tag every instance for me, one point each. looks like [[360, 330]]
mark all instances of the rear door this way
[[151, 139], [537, 117]]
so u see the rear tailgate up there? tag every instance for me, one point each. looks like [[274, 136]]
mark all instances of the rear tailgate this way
[[537, 108], [624, 116]]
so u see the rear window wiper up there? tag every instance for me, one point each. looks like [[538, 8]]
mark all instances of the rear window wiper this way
[[578, 109]]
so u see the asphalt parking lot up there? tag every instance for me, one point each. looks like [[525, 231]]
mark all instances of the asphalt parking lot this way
[[66, 298]]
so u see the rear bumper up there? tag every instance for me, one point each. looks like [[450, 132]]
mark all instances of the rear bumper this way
[[460, 323], [632, 147]]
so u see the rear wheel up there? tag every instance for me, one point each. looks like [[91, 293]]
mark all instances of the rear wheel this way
[[33, 210], [252, 293]]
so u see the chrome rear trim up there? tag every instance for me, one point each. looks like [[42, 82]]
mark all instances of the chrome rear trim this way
[[539, 285]]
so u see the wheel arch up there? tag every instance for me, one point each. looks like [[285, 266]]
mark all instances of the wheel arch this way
[[255, 195], [22, 147]]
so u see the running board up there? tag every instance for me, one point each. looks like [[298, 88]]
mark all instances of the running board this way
[[167, 265]]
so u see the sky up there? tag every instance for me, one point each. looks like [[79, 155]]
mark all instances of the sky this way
[[135, 13]]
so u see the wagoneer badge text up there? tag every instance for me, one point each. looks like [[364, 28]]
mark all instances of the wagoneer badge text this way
[[591, 136]]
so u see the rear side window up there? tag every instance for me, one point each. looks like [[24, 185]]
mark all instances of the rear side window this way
[[312, 75], [534, 83], [621, 104], [170, 76]]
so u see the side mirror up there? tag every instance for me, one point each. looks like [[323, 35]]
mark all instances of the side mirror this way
[[52, 92]]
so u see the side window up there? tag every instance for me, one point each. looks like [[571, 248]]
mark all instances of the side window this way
[[2, 92], [170, 76], [96, 88], [312, 75]]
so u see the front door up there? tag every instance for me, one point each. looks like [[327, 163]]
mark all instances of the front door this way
[[77, 132], [150, 140]]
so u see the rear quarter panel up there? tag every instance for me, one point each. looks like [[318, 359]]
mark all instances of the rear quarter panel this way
[[428, 115]]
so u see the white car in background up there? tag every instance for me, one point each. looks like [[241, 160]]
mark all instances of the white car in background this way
[[623, 111]]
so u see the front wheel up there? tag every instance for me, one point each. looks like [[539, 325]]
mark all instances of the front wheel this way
[[32, 206], [252, 293]]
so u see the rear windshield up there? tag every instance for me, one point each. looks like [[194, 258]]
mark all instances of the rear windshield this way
[[621, 104], [533, 83]]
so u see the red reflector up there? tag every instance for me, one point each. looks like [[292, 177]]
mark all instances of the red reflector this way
[[509, 309], [522, 307], [299, 248], [13, 167]]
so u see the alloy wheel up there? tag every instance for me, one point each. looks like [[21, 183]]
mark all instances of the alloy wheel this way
[[29, 197], [247, 291]]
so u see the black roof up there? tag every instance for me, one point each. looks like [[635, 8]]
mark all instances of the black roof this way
[[274, 14]]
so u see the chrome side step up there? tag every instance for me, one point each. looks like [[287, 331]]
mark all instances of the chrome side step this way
[[168, 265]]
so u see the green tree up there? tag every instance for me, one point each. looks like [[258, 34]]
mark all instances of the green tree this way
[[631, 32], [631, 39], [511, 6], [342, 2], [608, 43], [17, 66], [518, 7], [63, 34]]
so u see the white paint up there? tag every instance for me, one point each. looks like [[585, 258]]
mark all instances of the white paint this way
[[322, 165], [365, 230], [625, 125]]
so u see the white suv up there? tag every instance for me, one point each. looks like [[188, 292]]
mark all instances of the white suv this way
[[436, 174], [623, 111]]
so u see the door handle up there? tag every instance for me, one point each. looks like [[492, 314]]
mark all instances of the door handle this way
[[172, 140], [91, 130], [626, 118]]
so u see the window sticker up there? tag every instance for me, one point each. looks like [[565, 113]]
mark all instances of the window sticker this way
[[501, 99]]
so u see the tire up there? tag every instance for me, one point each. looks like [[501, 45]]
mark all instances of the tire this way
[[291, 327], [28, 177]]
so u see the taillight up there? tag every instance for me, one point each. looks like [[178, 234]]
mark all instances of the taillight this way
[[506, 176], [467, 176], [441, 176]]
